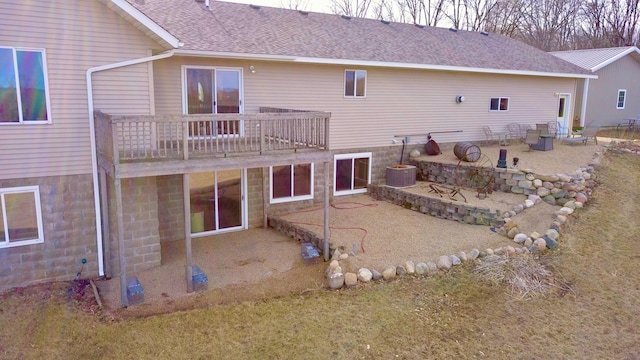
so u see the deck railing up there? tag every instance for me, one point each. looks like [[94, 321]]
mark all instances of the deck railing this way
[[145, 137]]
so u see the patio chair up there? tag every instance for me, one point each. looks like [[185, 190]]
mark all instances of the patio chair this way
[[587, 133], [514, 132], [492, 135], [544, 129], [553, 128], [532, 137]]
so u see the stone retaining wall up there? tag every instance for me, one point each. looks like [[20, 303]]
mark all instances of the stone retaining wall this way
[[442, 209]]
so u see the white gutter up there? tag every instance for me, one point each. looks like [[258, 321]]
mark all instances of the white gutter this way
[[92, 131], [398, 65]]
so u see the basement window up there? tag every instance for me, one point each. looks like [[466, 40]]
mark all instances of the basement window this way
[[352, 173], [20, 216], [291, 183]]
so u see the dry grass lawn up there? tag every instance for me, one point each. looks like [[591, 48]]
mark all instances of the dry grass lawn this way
[[593, 315]]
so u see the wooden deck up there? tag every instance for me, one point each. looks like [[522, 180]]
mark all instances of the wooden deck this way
[[145, 145]]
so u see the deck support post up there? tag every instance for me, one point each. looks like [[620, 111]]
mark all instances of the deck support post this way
[[187, 231], [326, 211]]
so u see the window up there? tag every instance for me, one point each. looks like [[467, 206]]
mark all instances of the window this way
[[355, 83], [291, 183], [622, 97], [499, 104], [23, 87], [20, 218], [352, 173]]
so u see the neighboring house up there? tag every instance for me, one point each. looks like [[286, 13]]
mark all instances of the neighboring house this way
[[614, 96], [193, 132]]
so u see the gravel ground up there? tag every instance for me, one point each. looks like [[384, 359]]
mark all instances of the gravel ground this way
[[383, 234]]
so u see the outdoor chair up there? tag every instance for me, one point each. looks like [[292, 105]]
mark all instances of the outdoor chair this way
[[532, 137], [491, 135], [587, 133], [553, 128], [544, 129], [514, 132]]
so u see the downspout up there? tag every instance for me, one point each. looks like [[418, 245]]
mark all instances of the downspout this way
[[583, 110], [94, 151]]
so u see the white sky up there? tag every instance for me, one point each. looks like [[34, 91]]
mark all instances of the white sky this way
[[314, 5]]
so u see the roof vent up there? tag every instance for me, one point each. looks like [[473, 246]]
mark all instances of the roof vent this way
[[419, 25], [346, 17], [303, 12], [256, 7], [453, 29], [386, 22], [484, 33]]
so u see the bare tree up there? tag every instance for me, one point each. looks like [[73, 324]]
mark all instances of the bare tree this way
[[355, 8], [295, 4], [548, 24], [477, 13], [623, 20]]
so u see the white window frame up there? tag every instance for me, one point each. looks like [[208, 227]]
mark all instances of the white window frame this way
[[45, 74], [500, 98], [624, 99], [273, 200], [351, 156], [355, 84], [36, 195]]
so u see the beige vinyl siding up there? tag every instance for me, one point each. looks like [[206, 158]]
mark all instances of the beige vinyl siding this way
[[398, 102], [603, 92], [75, 35]]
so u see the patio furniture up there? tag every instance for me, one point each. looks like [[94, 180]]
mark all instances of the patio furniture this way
[[544, 129], [532, 138], [501, 137], [514, 132], [587, 133], [450, 191], [553, 128]]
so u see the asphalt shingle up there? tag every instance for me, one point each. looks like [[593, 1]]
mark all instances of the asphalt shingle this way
[[240, 28]]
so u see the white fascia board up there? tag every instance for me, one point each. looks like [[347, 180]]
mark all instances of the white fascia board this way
[[148, 23], [615, 58], [397, 65]]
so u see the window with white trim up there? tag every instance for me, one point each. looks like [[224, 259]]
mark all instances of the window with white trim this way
[[291, 183], [355, 83], [351, 173], [23, 87], [20, 218], [622, 99], [499, 104]]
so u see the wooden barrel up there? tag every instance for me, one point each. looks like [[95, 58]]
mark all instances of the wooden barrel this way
[[466, 151]]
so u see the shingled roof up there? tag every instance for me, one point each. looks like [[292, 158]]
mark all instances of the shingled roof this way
[[596, 59], [242, 30]]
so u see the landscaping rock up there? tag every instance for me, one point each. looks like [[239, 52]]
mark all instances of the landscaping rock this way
[[344, 256], [336, 281], [528, 242], [474, 254], [561, 219], [432, 266], [350, 279], [535, 198], [518, 208], [520, 238], [549, 242], [422, 268], [510, 250], [543, 191], [528, 203], [513, 232], [389, 273], [365, 275], [444, 262], [333, 264], [463, 256], [376, 275], [400, 270], [549, 199], [553, 234], [411, 268], [455, 260], [540, 244]]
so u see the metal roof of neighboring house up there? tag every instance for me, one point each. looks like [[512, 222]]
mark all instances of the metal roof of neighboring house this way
[[259, 32], [596, 59]]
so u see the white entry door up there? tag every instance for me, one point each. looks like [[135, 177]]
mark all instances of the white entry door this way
[[563, 114]]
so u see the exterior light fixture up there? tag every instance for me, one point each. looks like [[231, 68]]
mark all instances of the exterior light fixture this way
[[459, 98]]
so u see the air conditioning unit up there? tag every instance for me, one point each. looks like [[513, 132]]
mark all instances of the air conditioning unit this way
[[401, 175]]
